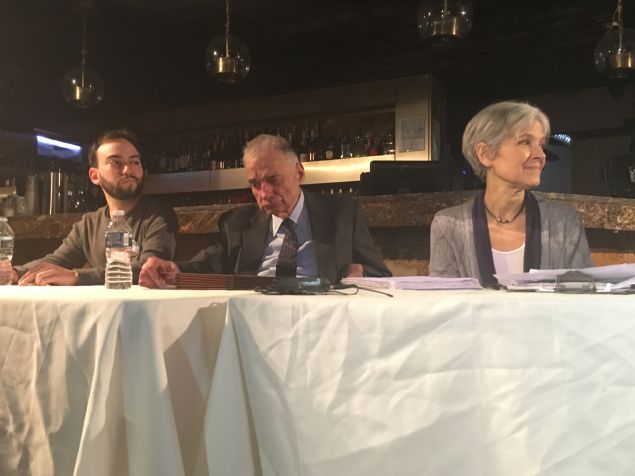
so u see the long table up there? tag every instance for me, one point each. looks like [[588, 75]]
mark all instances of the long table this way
[[141, 382]]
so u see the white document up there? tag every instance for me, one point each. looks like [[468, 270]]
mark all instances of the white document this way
[[611, 278], [415, 282]]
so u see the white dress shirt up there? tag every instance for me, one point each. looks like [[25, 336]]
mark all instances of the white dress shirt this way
[[307, 264]]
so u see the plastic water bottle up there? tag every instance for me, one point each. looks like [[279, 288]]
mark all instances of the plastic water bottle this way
[[6, 251], [118, 249]]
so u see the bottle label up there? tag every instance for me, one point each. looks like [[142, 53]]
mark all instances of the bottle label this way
[[117, 239], [6, 247]]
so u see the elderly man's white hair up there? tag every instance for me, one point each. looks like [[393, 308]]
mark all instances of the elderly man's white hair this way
[[266, 142]]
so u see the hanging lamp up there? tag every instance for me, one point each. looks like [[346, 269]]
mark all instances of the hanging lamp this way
[[227, 58], [445, 20], [81, 86], [614, 56]]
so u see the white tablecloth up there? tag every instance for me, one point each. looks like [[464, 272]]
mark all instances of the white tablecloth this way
[[427, 383], [102, 382]]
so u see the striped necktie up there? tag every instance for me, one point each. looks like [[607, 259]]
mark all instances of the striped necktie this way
[[288, 257]]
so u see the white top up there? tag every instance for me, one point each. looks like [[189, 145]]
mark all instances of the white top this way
[[507, 262], [307, 264]]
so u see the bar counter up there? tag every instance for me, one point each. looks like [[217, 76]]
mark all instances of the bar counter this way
[[399, 223]]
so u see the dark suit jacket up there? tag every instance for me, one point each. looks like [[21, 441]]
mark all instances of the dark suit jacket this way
[[340, 237]]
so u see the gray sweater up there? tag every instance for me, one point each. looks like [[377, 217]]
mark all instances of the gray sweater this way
[[154, 227], [453, 254]]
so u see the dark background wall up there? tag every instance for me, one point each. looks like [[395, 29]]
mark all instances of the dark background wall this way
[[150, 55]]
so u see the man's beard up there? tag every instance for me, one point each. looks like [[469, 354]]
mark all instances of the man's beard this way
[[120, 193]]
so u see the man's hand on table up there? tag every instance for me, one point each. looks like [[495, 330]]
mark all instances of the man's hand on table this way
[[354, 270], [158, 273], [48, 273]]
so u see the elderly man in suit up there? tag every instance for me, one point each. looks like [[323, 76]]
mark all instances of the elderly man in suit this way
[[287, 232]]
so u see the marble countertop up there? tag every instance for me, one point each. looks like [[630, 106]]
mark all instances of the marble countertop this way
[[389, 211]]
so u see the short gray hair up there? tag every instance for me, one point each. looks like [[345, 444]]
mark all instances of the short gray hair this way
[[495, 123], [263, 143]]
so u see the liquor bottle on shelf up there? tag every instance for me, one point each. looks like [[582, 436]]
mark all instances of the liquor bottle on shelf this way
[[222, 153], [388, 144], [235, 154], [214, 152], [371, 147], [246, 138], [166, 167], [291, 137], [329, 150], [184, 159], [205, 155], [228, 155], [161, 160], [358, 147], [315, 145], [193, 154], [344, 149], [171, 151], [303, 148]]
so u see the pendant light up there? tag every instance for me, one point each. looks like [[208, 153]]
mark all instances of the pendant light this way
[[445, 20], [227, 58], [81, 86], [614, 54]]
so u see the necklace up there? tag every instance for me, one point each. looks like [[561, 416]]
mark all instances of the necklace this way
[[505, 221]]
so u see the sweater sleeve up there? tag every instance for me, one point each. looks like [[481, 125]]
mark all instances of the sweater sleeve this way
[[577, 254], [443, 261], [70, 255], [156, 237]]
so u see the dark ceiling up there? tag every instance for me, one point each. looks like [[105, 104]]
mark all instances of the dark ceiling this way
[[150, 52]]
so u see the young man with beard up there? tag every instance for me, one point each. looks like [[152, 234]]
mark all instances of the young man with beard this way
[[115, 165]]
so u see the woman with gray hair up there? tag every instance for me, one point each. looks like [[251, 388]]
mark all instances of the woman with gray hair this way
[[505, 228]]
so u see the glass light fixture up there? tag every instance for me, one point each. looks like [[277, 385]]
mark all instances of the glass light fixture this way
[[614, 54], [227, 58], [445, 20], [81, 86]]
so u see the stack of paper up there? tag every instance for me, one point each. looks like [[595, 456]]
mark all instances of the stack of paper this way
[[612, 278], [415, 282]]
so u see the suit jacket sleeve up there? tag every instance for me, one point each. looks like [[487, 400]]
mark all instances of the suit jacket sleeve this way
[[212, 259]]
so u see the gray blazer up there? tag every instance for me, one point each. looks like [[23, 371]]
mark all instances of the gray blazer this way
[[452, 251]]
